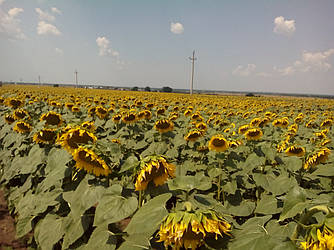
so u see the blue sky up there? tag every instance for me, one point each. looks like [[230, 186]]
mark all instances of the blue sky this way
[[262, 45]]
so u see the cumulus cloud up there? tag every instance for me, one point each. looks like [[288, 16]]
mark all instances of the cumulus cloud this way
[[309, 62], [44, 15], [176, 28], [284, 26], [105, 49], [44, 28], [59, 51], [10, 24], [244, 71], [55, 10]]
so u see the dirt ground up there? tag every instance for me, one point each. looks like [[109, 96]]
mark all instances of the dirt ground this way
[[7, 228]]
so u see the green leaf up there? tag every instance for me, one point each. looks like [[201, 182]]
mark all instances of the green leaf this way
[[293, 163], [245, 208], [121, 209], [101, 237], [294, 203], [188, 183], [267, 205], [34, 158], [130, 163], [148, 218], [324, 170], [23, 226], [48, 231]]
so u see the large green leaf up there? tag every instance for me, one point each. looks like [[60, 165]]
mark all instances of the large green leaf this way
[[245, 208], [49, 231], [147, 220], [100, 237], [188, 183], [294, 203], [129, 164], [267, 205]]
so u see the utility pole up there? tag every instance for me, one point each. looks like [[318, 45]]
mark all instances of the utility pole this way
[[76, 78], [39, 80], [192, 59]]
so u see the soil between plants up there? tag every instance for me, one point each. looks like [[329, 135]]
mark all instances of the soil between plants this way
[[7, 228]]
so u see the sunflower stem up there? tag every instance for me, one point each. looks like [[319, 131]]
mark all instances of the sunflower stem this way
[[219, 187], [140, 198]]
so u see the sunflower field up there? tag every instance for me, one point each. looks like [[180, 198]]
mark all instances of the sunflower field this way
[[103, 169]]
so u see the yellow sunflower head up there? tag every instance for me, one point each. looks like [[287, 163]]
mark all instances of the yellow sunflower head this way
[[253, 134], [218, 143], [315, 159], [129, 118], [156, 169], [188, 229], [9, 119], [52, 118], [88, 126], [101, 112], [193, 135], [14, 103], [117, 118], [242, 129], [326, 123], [295, 151], [45, 136], [164, 126], [20, 114], [75, 137], [89, 161], [22, 127]]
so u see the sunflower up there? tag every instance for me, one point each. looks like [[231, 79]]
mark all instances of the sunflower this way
[[320, 157], [193, 135], [295, 151], [91, 111], [141, 115], [197, 117], [311, 124], [89, 161], [235, 144], [88, 126], [75, 109], [255, 122], [72, 139], [14, 103], [69, 105], [283, 123], [129, 118], [45, 136], [189, 229], [173, 116], [325, 142], [22, 127], [188, 112], [156, 169], [20, 114], [218, 143], [9, 119], [202, 126], [160, 111], [242, 129], [253, 134], [117, 118], [282, 146], [264, 122], [52, 118], [326, 123], [164, 126], [101, 112], [319, 238]]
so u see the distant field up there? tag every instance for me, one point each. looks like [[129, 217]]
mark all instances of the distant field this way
[[93, 168]]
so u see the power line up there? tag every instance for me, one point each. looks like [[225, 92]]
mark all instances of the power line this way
[[192, 59]]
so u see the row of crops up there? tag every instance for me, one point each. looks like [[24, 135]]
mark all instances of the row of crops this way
[[101, 169]]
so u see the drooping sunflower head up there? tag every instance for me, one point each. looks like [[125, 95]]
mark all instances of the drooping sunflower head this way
[[295, 151], [188, 112], [45, 136], [101, 112], [75, 137], [69, 105], [321, 238], [9, 119], [92, 111], [156, 169], [148, 114], [193, 135], [22, 127], [218, 143], [255, 122], [315, 159], [188, 229], [52, 118], [88, 126], [161, 111], [129, 118], [75, 109], [164, 126], [253, 134], [89, 161], [236, 143], [202, 126]]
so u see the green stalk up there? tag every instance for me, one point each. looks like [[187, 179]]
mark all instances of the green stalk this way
[[219, 186], [140, 198]]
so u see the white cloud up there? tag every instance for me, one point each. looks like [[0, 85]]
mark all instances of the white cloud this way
[[244, 71], [44, 15], [105, 48], [55, 10], [44, 28], [309, 62], [10, 24], [285, 27], [176, 28], [59, 51], [2, 1], [264, 74]]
